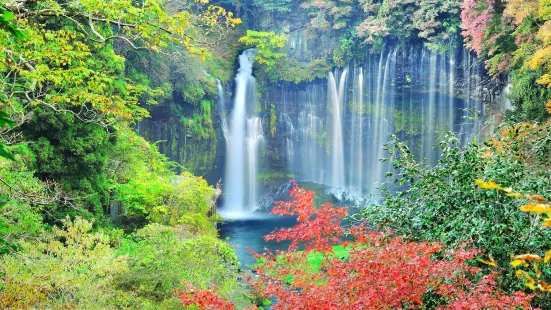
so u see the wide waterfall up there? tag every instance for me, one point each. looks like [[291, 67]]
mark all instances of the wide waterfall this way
[[244, 137], [335, 130]]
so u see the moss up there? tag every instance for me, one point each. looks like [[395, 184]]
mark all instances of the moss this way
[[273, 120], [273, 177], [206, 109]]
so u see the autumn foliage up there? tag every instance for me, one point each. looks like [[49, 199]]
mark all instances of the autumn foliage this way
[[380, 271], [204, 299]]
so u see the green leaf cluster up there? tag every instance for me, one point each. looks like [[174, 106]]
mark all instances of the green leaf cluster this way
[[443, 203]]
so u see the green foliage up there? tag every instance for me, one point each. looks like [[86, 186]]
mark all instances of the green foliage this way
[[161, 257], [408, 123], [437, 22], [346, 50], [73, 96], [330, 14], [442, 203], [18, 221], [73, 153], [7, 19], [292, 70], [206, 108], [5, 120], [68, 268], [527, 97], [186, 205], [273, 120], [273, 177], [267, 44]]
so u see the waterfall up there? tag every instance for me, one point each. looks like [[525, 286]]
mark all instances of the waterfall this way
[[244, 138], [310, 134], [334, 130], [507, 105], [385, 116], [376, 129], [255, 137], [431, 124], [356, 154], [337, 146], [222, 111], [451, 94], [289, 141]]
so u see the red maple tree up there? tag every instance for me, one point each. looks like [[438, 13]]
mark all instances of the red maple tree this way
[[380, 271]]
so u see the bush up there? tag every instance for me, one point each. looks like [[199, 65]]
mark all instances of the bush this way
[[161, 257], [69, 268], [443, 203]]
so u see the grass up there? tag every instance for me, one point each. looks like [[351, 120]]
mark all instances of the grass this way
[[315, 260]]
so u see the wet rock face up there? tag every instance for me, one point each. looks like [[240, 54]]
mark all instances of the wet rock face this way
[[197, 151]]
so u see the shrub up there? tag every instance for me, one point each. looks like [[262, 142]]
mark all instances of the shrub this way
[[69, 268], [161, 257], [442, 203]]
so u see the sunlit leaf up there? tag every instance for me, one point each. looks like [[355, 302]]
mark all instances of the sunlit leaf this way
[[547, 257], [539, 208], [528, 257], [489, 262], [517, 262]]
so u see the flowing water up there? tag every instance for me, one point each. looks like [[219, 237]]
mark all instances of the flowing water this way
[[333, 131], [336, 131], [243, 139]]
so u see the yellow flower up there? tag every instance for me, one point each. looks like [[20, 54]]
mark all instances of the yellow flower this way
[[515, 195]]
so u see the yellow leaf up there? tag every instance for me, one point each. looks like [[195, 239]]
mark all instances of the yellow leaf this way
[[537, 271], [523, 275], [546, 222], [486, 185], [528, 257], [487, 262], [537, 198], [515, 195], [492, 185], [547, 257], [538, 208], [517, 262], [544, 286]]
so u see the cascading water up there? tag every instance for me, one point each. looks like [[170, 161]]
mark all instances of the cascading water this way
[[337, 146], [431, 124], [417, 95], [244, 138], [356, 155], [222, 111]]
